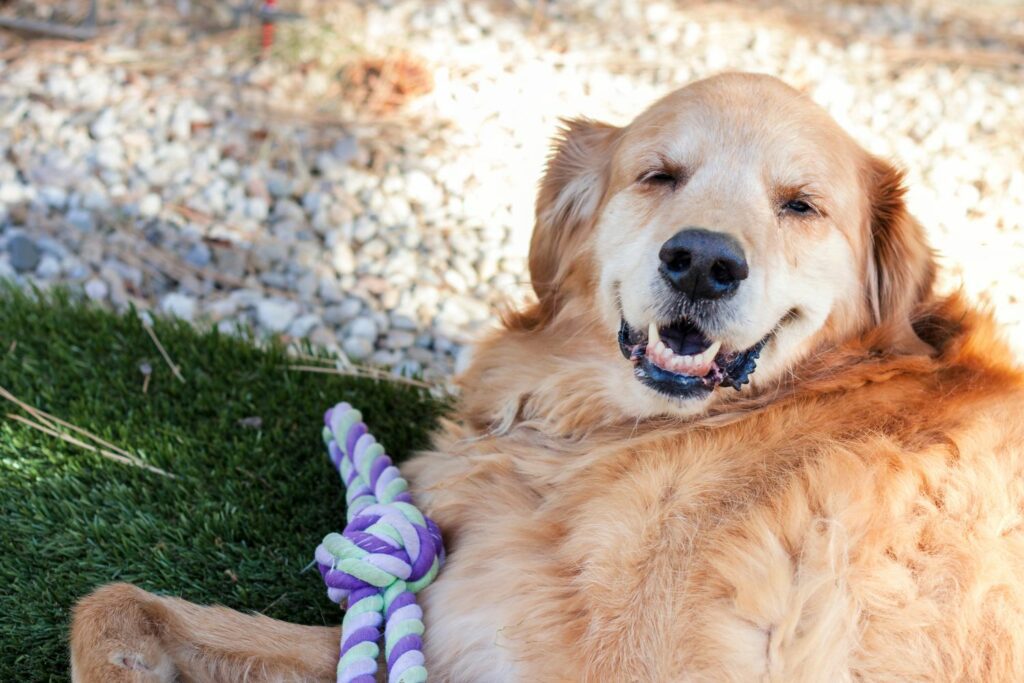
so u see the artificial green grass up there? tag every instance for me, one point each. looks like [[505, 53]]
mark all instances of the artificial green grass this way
[[247, 507]]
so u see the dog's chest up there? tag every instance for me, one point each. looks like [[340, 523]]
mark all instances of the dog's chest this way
[[784, 557], [734, 559], [673, 556]]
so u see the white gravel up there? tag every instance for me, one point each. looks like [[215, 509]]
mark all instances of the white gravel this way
[[179, 172]]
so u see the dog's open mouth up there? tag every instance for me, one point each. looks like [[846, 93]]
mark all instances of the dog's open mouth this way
[[680, 361]]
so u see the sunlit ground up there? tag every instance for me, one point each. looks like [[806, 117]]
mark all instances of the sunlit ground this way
[[935, 86]]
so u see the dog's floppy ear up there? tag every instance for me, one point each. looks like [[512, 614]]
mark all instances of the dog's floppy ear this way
[[901, 264], [570, 195]]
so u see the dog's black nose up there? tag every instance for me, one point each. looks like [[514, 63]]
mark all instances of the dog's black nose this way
[[703, 264]]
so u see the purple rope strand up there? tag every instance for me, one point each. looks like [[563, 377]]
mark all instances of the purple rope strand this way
[[388, 551]]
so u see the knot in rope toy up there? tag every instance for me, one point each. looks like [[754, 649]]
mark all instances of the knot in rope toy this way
[[388, 552]]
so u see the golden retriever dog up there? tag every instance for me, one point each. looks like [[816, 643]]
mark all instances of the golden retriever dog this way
[[737, 437]]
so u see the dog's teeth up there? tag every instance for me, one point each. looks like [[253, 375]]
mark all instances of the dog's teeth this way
[[696, 365], [701, 364], [652, 335], [702, 361]]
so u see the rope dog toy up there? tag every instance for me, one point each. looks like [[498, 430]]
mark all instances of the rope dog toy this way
[[388, 552]]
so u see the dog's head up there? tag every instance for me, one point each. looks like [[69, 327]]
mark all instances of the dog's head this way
[[712, 244]]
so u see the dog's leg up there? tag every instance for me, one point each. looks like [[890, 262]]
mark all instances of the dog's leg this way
[[122, 634]]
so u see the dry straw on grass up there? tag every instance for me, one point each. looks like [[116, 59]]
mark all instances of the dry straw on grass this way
[[56, 427]]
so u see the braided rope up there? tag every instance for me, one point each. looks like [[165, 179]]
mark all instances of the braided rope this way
[[388, 552]]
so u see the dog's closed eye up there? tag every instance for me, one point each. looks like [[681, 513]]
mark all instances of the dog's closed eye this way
[[664, 175], [798, 206], [658, 177]]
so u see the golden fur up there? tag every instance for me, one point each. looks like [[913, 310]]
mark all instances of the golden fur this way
[[857, 513]]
